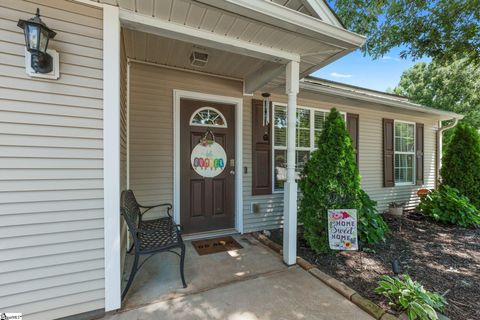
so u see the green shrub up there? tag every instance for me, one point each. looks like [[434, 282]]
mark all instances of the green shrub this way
[[461, 163], [371, 227], [330, 180], [447, 205], [410, 296]]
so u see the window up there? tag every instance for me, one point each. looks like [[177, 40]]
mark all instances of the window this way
[[404, 142], [208, 117], [310, 123]]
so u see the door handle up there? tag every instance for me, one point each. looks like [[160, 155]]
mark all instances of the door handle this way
[[232, 172]]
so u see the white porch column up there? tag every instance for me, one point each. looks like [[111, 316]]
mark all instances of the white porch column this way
[[290, 195], [111, 155]]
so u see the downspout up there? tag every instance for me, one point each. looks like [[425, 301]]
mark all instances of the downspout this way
[[440, 146]]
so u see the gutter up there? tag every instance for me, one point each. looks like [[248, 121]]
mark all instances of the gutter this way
[[440, 146], [373, 98]]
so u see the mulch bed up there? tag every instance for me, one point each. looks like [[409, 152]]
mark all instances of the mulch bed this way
[[444, 259]]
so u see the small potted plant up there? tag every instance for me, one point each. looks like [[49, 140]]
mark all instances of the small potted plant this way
[[396, 208]]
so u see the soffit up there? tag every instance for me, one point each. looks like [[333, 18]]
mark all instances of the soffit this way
[[200, 16], [175, 53], [314, 53], [150, 6]]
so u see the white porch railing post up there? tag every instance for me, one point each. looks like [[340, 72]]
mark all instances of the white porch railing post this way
[[290, 195]]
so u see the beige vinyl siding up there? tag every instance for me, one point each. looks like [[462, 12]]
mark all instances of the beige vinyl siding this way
[[271, 206], [370, 157], [151, 141], [151, 124], [51, 166]]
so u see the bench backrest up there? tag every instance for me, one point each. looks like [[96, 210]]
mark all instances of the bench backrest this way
[[130, 210]]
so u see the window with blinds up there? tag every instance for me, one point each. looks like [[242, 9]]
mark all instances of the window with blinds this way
[[404, 145], [309, 125]]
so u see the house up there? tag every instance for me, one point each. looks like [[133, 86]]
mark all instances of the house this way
[[138, 83]]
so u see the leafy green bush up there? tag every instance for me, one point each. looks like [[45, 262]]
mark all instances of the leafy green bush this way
[[407, 295], [371, 227], [447, 205], [461, 163], [330, 180]]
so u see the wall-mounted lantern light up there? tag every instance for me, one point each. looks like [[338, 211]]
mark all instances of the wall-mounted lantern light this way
[[37, 35]]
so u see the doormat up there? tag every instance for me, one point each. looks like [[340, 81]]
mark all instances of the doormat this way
[[215, 245]]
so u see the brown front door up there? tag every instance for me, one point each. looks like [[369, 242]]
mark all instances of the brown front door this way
[[206, 203]]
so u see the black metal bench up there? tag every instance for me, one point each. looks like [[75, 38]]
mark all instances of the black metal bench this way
[[150, 236]]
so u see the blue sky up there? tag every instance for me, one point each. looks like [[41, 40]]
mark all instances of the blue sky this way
[[363, 71]]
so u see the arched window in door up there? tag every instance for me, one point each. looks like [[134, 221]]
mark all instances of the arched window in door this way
[[208, 117]]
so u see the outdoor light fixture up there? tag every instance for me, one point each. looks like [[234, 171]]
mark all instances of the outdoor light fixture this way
[[266, 108], [37, 35], [198, 57]]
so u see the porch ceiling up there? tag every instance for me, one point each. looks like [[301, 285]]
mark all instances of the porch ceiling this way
[[175, 53], [280, 29]]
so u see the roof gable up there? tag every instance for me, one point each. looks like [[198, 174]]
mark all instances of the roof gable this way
[[315, 8]]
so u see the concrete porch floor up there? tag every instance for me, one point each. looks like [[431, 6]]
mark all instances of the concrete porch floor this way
[[249, 284]]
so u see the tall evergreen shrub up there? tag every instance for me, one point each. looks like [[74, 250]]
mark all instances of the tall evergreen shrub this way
[[461, 163], [330, 180]]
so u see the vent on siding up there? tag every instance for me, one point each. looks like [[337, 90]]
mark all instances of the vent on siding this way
[[198, 57]]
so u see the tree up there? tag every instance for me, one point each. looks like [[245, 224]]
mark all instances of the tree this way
[[447, 86], [330, 180], [439, 29], [461, 163]]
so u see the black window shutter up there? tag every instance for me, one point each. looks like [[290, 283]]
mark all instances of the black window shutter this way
[[352, 126], [388, 153], [261, 151], [419, 137]]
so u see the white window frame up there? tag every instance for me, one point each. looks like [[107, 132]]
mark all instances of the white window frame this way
[[312, 135], [395, 152]]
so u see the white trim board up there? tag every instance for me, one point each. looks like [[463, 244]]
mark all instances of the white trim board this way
[[111, 156], [280, 16], [322, 10], [127, 137], [128, 126], [238, 102]]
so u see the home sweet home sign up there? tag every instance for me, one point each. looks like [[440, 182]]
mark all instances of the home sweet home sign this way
[[342, 229]]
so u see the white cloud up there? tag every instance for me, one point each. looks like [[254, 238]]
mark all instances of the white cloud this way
[[340, 75], [390, 58]]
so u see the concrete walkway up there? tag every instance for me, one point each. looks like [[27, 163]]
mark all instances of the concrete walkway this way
[[273, 293]]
